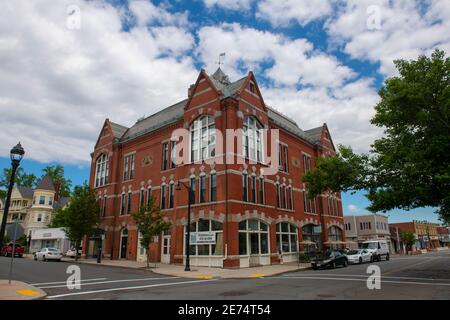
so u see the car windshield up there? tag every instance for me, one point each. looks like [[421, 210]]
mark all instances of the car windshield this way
[[52, 249], [354, 252], [369, 245]]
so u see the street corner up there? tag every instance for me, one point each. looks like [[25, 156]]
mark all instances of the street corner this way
[[17, 290]]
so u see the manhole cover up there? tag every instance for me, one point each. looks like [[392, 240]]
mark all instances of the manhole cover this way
[[235, 293]]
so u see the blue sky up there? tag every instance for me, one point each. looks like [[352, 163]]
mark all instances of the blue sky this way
[[315, 61]]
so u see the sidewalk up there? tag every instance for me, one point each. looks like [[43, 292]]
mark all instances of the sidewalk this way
[[18, 290], [199, 272]]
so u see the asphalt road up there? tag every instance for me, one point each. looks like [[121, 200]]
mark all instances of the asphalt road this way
[[423, 277]]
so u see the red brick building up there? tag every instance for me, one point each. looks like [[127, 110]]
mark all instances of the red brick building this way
[[246, 216]]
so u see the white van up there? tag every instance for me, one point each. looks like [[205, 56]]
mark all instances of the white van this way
[[378, 249]]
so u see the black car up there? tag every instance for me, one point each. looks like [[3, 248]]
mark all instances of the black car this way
[[330, 259]]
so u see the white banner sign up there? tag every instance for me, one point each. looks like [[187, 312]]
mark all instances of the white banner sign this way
[[203, 237]]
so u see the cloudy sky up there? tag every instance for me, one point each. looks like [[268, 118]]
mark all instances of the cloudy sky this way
[[67, 65]]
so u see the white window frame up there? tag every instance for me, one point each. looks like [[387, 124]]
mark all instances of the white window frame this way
[[197, 127]]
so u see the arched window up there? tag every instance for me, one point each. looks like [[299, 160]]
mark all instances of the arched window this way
[[252, 139], [101, 171], [286, 237], [206, 227], [253, 237], [311, 238], [203, 139], [334, 234]]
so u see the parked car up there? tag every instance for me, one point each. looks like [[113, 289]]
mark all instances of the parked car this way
[[7, 250], [359, 256], [71, 253], [378, 249], [48, 254], [331, 259]]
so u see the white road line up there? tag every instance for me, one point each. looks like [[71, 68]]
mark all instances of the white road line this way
[[127, 288], [364, 280], [364, 276], [112, 281], [84, 280]]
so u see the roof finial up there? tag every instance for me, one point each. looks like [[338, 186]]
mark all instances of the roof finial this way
[[222, 55]]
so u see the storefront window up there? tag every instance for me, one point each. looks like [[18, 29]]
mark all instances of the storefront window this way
[[213, 249], [311, 238], [286, 237], [253, 237]]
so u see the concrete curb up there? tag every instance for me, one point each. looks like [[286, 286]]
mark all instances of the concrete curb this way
[[19, 290]]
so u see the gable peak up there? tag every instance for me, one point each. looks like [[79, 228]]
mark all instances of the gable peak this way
[[221, 77]]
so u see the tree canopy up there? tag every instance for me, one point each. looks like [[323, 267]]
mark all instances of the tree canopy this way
[[56, 172], [409, 167]]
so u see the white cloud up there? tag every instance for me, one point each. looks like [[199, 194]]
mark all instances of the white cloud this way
[[147, 13], [281, 13], [408, 28], [229, 4], [58, 85]]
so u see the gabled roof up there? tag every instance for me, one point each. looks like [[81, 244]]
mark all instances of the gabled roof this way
[[315, 134], [46, 183], [158, 120], [117, 129], [61, 203], [26, 192]]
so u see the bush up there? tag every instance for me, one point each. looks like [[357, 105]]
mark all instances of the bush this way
[[303, 257]]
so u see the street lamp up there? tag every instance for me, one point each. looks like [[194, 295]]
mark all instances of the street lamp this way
[[188, 233], [16, 156]]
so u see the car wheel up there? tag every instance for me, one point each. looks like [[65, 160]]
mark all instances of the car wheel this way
[[360, 260], [387, 257], [333, 265], [345, 263], [35, 257], [43, 258]]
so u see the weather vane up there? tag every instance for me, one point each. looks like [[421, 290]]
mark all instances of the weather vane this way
[[221, 56]]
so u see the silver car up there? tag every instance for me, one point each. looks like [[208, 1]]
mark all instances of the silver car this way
[[48, 254], [359, 256]]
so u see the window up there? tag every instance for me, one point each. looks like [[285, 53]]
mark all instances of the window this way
[[261, 190], [173, 154], [334, 235], [278, 195], [309, 204], [39, 217], [50, 201], [252, 139], [312, 237], [244, 187], [290, 199], [283, 157], [253, 189], [171, 194], [306, 163], [42, 200], [202, 188], [253, 237], [149, 194], [129, 203], [102, 169], [105, 201], [141, 198], [203, 139], [163, 196], [213, 187], [193, 190], [284, 204], [251, 87], [286, 237], [203, 225], [128, 167], [122, 204], [165, 155]]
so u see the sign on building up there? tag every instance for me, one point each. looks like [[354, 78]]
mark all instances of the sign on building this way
[[205, 237]]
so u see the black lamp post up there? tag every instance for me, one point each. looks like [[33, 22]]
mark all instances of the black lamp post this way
[[188, 233], [16, 156]]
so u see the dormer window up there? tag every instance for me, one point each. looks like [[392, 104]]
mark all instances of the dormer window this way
[[42, 200], [102, 169]]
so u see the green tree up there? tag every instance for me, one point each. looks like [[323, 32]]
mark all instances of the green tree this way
[[150, 223], [22, 179], [56, 172], [81, 215], [409, 167], [59, 219], [408, 239]]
